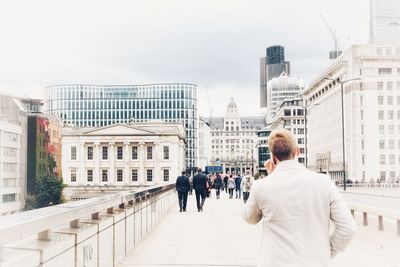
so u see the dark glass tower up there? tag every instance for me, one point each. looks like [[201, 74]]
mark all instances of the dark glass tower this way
[[272, 66]]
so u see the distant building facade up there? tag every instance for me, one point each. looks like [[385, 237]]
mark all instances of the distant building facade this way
[[291, 116], [123, 155], [263, 150], [13, 155], [44, 148], [271, 66], [372, 115], [205, 152], [234, 140], [279, 89], [101, 105], [385, 21]]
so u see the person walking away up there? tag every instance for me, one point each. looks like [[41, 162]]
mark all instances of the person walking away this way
[[218, 185], [191, 184], [297, 207], [238, 181], [200, 187], [231, 185], [182, 187], [247, 182], [226, 178]]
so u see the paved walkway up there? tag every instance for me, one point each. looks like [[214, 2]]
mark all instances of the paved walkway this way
[[219, 237]]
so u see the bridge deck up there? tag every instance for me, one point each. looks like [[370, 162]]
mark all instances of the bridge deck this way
[[219, 237]]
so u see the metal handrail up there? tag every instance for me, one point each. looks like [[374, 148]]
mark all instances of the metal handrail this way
[[24, 224]]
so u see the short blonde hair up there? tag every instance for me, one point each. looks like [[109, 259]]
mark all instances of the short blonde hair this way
[[282, 144]]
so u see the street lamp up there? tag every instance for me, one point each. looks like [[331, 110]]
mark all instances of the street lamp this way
[[343, 149]]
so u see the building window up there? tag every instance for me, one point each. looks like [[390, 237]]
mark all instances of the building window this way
[[383, 176], [381, 129], [149, 175], [380, 100], [105, 152], [120, 152], [389, 86], [119, 175], [384, 71], [391, 159], [166, 152], [380, 85], [391, 144], [390, 100], [300, 131], [363, 159], [381, 115], [7, 198], [300, 140], [301, 150], [73, 175], [90, 153], [89, 175], [382, 159], [73, 152], [149, 154], [166, 175], [381, 144], [134, 152], [104, 175], [301, 160], [287, 112], [134, 175]]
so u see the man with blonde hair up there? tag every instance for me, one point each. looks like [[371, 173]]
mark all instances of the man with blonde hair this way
[[297, 207]]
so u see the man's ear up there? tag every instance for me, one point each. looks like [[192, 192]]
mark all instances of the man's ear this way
[[297, 152]]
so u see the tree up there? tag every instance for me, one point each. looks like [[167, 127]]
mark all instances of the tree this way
[[48, 191]]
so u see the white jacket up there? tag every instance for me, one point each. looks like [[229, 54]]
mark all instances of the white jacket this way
[[296, 206], [243, 183]]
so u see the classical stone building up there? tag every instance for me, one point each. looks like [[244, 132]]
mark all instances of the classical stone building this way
[[121, 155], [234, 140]]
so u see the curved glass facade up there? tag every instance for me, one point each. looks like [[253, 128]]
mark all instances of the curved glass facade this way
[[101, 105]]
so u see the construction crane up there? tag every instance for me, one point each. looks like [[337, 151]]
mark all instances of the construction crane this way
[[336, 52]]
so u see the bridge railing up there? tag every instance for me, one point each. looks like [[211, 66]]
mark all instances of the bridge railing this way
[[93, 232], [373, 185], [381, 215]]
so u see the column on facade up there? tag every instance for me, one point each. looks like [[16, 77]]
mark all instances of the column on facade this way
[[111, 169], [81, 168], [141, 171], [96, 158], [126, 179], [156, 158], [181, 159]]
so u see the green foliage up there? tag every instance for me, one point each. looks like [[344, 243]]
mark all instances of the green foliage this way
[[257, 175], [48, 191], [30, 202]]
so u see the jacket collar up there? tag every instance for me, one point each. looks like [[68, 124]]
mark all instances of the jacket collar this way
[[292, 164]]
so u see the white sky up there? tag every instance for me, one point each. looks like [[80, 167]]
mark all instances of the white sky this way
[[215, 44]]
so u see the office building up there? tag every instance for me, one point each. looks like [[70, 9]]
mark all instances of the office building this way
[[101, 105], [271, 66], [290, 116], [279, 89], [385, 21], [13, 155], [233, 140], [263, 149], [371, 115], [205, 153], [123, 155]]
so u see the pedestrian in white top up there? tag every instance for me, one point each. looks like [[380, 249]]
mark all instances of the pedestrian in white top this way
[[247, 182], [297, 207]]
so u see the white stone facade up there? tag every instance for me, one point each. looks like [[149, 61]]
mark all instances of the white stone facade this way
[[290, 115], [13, 138], [205, 153], [371, 110], [279, 89], [137, 154], [234, 140]]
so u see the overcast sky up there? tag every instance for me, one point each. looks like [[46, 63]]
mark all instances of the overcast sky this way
[[215, 44]]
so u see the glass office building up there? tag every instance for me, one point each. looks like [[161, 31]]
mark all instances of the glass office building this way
[[100, 105]]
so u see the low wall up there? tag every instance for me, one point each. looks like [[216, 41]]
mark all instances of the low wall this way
[[93, 232]]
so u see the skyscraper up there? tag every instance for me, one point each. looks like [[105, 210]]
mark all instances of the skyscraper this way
[[84, 105], [385, 21], [271, 66]]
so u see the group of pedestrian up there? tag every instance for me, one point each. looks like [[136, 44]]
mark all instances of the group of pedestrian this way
[[203, 184]]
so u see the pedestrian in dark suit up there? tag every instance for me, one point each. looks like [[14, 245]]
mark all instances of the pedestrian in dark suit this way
[[218, 185], [183, 187], [200, 187]]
